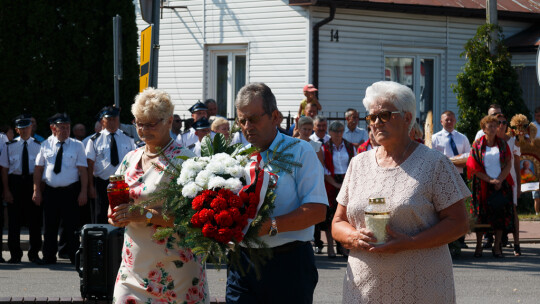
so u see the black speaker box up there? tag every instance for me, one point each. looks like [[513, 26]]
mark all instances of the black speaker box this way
[[98, 259]]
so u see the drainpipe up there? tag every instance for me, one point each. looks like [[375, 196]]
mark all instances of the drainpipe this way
[[315, 43]]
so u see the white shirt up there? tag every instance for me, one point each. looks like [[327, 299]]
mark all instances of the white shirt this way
[[73, 156], [441, 142], [98, 149], [537, 128], [314, 137], [316, 145], [15, 151], [479, 134], [4, 138], [197, 149], [356, 136], [187, 139], [3, 155], [492, 162], [340, 159]]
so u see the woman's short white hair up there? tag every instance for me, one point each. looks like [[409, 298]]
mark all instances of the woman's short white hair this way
[[219, 121], [152, 104], [402, 97]]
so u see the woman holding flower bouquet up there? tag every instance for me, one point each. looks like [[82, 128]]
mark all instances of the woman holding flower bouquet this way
[[153, 271]]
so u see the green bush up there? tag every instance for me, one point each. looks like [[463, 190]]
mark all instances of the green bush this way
[[57, 56], [486, 79]]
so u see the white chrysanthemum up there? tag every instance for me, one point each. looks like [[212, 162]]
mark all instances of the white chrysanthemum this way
[[190, 190], [203, 178], [216, 167], [221, 157], [186, 176], [236, 171], [217, 182], [233, 184], [204, 159], [193, 165]]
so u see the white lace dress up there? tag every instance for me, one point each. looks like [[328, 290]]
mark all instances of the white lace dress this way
[[423, 185]]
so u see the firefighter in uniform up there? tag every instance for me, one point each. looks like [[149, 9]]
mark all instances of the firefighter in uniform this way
[[189, 138], [22, 153], [61, 163], [104, 152]]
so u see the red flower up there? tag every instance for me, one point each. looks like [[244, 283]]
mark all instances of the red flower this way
[[196, 220], [237, 234], [235, 214], [209, 230], [244, 197], [251, 211], [224, 235], [225, 193], [206, 215], [198, 203], [253, 199], [235, 201], [224, 218], [219, 203], [209, 195]]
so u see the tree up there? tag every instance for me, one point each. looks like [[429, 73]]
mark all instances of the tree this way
[[57, 56], [486, 79]]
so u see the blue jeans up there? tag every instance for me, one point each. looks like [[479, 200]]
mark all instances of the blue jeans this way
[[290, 276]]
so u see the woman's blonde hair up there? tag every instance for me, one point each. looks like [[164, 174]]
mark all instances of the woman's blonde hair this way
[[218, 122], [488, 119], [152, 104]]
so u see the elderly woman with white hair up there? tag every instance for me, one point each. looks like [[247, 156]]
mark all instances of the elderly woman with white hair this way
[[153, 271], [425, 197]]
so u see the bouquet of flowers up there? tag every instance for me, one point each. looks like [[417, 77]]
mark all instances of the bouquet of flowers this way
[[218, 200]]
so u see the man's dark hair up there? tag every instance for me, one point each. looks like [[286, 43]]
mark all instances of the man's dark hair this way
[[209, 101], [537, 110]]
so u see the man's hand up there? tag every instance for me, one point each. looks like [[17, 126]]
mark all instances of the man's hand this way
[[36, 197], [83, 198], [7, 196]]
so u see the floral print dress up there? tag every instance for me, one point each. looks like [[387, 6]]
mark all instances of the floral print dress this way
[[155, 271]]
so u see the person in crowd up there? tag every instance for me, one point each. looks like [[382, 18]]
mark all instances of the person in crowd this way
[[176, 126], [202, 128], [290, 275], [189, 138], [536, 194], [187, 124], [493, 110], [6, 133], [17, 181], [61, 164], [4, 163], [221, 125], [311, 97], [515, 153], [309, 111], [337, 153], [142, 256], [489, 163], [425, 197], [104, 151], [368, 144], [36, 137], [79, 132], [305, 129], [212, 107], [451, 143], [353, 133], [320, 134]]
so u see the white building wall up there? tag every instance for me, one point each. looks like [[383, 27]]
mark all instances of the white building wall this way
[[349, 66], [277, 36]]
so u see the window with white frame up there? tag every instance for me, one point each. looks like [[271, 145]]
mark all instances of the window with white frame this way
[[227, 74], [420, 73]]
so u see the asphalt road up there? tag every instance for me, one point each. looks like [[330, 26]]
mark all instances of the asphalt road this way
[[484, 280]]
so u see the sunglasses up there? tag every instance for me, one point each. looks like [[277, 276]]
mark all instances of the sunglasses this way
[[383, 116], [503, 122]]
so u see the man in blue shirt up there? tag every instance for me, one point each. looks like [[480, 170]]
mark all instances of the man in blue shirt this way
[[290, 276]]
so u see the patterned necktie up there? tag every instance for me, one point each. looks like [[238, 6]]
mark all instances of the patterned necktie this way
[[453, 144], [25, 165], [58, 161], [114, 151]]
